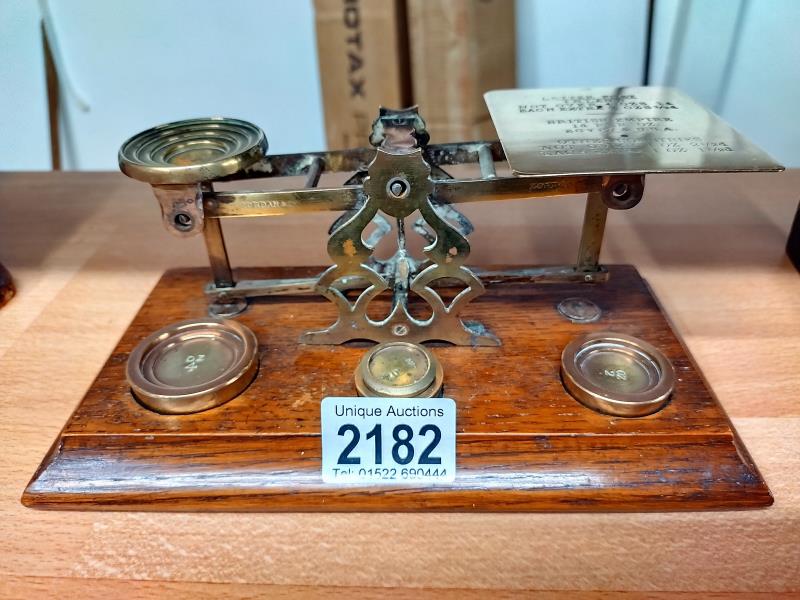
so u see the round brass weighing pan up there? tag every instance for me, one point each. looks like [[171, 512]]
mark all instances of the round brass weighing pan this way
[[192, 151]]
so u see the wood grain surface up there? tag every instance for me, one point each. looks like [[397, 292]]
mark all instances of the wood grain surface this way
[[523, 443], [87, 249]]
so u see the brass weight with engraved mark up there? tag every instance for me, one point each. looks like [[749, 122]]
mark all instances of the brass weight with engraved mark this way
[[617, 374], [399, 370], [193, 365]]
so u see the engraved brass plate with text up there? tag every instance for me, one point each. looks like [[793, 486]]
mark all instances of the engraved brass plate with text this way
[[575, 131]]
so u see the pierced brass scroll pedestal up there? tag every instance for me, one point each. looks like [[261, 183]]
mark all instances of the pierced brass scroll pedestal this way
[[524, 443]]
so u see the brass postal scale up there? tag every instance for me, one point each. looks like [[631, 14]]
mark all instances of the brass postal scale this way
[[417, 381]]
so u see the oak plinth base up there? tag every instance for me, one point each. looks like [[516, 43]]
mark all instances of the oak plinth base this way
[[523, 444]]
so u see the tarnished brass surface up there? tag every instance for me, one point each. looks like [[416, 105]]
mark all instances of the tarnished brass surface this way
[[192, 151], [594, 226], [356, 159], [454, 191], [617, 374], [580, 131], [281, 202], [398, 186], [448, 191], [595, 141], [181, 208], [217, 254], [193, 365], [399, 370], [254, 288]]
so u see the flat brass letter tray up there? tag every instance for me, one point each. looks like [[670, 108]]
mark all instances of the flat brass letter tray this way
[[571, 391]]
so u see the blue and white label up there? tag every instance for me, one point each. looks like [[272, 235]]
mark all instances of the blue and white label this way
[[388, 440]]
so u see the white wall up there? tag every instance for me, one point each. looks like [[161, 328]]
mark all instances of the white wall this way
[[563, 43], [741, 58], [145, 62], [150, 61], [24, 133]]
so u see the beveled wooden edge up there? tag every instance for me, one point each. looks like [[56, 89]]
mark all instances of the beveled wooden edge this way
[[496, 473]]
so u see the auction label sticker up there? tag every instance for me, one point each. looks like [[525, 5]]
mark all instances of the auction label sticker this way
[[388, 440]]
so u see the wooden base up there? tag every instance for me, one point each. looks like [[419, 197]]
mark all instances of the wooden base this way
[[524, 444]]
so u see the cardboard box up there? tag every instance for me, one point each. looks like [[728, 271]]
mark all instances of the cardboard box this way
[[363, 64], [440, 54], [459, 50]]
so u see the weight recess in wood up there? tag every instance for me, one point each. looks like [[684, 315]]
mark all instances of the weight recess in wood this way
[[522, 442]]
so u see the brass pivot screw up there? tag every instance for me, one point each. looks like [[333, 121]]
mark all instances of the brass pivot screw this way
[[183, 221], [398, 188], [622, 192]]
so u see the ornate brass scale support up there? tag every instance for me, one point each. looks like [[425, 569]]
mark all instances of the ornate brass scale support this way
[[401, 175]]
